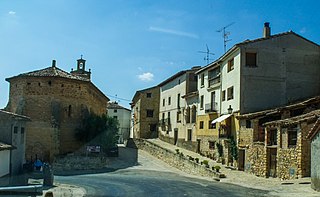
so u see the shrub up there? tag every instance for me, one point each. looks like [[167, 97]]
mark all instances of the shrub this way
[[217, 168], [205, 162], [197, 160], [177, 151]]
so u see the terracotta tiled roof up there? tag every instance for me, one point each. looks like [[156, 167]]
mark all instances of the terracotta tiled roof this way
[[52, 71], [4, 146], [314, 130]]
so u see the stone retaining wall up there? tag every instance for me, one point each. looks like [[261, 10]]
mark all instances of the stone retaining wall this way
[[176, 160]]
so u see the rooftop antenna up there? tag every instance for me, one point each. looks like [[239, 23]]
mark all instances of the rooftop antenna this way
[[208, 53], [225, 35]]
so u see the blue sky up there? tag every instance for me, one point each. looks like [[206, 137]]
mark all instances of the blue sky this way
[[135, 44]]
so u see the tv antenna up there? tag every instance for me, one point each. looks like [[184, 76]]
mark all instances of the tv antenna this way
[[208, 53], [225, 35]]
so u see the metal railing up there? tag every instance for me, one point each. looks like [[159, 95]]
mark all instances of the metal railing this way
[[211, 107]]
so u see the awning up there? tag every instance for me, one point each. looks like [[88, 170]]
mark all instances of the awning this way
[[221, 118]]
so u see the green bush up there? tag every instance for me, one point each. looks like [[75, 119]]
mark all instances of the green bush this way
[[197, 160], [205, 162], [177, 151]]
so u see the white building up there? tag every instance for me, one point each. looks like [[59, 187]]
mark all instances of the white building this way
[[123, 115], [173, 105]]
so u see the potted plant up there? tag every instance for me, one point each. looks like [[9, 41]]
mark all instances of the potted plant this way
[[206, 163], [217, 168], [197, 160]]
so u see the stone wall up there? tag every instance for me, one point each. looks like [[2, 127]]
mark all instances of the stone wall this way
[[180, 162], [204, 146], [256, 160], [315, 162], [189, 145]]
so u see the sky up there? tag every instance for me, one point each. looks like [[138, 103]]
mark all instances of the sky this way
[[131, 45]]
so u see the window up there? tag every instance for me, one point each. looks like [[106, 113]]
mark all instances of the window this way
[[69, 111], [201, 125], [214, 77], [115, 111], [251, 59], [201, 101], [15, 130], [163, 102], [211, 126], [223, 95], [189, 134], [169, 100], [230, 65], [22, 135], [149, 95], [178, 101], [211, 145], [273, 137], [194, 114], [261, 134], [188, 115], [163, 117], [115, 117], [248, 124], [149, 113], [202, 79], [292, 136], [153, 127], [230, 93], [179, 116]]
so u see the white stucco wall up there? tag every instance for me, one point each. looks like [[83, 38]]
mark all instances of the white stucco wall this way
[[123, 116], [4, 162], [229, 79], [172, 89]]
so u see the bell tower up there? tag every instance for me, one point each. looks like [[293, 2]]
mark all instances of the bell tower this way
[[81, 69]]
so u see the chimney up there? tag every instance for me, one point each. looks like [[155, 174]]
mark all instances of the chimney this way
[[266, 30], [53, 63]]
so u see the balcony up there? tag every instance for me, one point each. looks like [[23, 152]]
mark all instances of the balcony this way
[[211, 107], [213, 82]]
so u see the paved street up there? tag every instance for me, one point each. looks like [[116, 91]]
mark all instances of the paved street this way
[[152, 177]]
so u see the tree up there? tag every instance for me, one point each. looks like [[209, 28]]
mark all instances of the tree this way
[[102, 130]]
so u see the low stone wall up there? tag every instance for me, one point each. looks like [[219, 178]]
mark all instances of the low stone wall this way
[[189, 145], [256, 160], [178, 161]]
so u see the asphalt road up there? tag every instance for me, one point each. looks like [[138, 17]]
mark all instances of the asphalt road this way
[[135, 182], [152, 177]]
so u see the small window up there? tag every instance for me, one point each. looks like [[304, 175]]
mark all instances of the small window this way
[[230, 65], [69, 111], [49, 82], [149, 113], [201, 125], [22, 135], [115, 117], [153, 127], [163, 102], [210, 125], [230, 93], [115, 111], [201, 101], [179, 116], [251, 59], [169, 101], [202, 79], [248, 124], [292, 136], [211, 145], [149, 95], [178, 101], [15, 130], [223, 95]]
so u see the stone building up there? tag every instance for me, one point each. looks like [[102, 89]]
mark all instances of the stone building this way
[[145, 112], [274, 143], [123, 115], [56, 101], [13, 132]]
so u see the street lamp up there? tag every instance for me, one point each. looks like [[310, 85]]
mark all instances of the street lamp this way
[[230, 109]]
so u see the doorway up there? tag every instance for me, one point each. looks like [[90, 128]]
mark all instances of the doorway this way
[[272, 162], [241, 160], [175, 138]]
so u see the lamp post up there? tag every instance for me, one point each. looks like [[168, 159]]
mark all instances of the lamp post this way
[[230, 109]]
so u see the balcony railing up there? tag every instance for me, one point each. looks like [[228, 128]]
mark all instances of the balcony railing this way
[[213, 81], [211, 107]]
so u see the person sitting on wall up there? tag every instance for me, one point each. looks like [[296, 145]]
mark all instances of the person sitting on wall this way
[[38, 164]]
